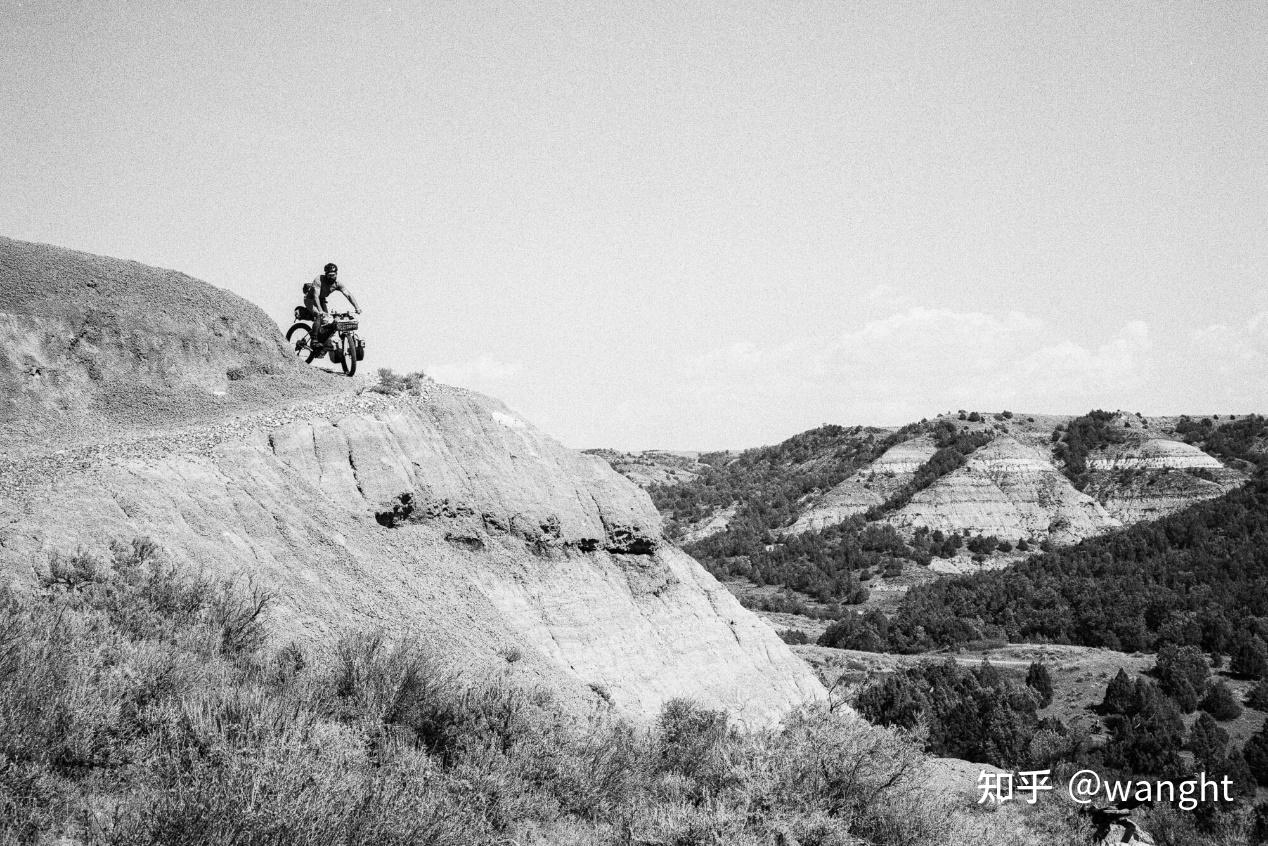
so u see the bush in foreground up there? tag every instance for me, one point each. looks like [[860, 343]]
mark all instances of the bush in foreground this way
[[139, 705]]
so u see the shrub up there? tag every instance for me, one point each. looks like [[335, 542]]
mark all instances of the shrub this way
[[1249, 656], [1220, 703], [1147, 737], [1207, 741], [132, 687], [390, 383], [1176, 664], [1185, 697], [1039, 680], [1120, 695], [1256, 754], [1258, 696], [691, 741], [983, 544], [894, 700], [240, 618]]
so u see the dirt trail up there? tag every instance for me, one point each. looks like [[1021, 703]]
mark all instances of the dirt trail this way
[[36, 470]]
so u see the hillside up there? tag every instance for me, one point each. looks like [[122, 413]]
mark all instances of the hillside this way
[[836, 513], [1197, 577], [98, 346], [178, 415], [651, 467]]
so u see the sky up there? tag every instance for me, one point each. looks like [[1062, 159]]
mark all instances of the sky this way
[[692, 225]]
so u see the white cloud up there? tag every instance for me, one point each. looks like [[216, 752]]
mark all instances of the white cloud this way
[[923, 360], [1223, 366]]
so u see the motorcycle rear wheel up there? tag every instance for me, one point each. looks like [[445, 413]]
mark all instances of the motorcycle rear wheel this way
[[300, 336]]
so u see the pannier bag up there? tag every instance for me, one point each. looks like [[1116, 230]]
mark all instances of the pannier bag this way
[[360, 349]]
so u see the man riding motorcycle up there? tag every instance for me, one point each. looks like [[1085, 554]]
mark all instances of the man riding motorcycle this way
[[315, 294]]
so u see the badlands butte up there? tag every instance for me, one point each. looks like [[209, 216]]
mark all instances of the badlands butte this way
[[1011, 483]]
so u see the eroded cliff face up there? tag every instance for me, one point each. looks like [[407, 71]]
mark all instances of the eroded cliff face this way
[[1148, 477], [509, 542], [715, 524], [441, 513], [869, 487], [1010, 490], [1013, 488]]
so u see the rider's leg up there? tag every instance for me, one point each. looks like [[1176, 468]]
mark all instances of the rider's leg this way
[[319, 316]]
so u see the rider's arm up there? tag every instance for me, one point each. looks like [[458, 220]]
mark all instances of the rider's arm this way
[[312, 295], [351, 298]]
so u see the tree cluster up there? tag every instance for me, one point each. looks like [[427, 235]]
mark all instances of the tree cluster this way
[[1075, 440], [1199, 578], [976, 714], [829, 565], [768, 483]]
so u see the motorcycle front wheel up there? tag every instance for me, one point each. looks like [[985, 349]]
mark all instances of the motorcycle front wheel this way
[[300, 338], [349, 362]]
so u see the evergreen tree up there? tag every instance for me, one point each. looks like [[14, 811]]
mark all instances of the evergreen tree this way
[[1120, 695], [1235, 767], [893, 701], [1220, 703], [1256, 753], [1181, 663], [987, 674], [1249, 656], [1185, 697], [1258, 698], [1038, 679], [1146, 741], [1207, 741]]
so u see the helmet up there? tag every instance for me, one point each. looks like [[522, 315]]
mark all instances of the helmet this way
[[330, 267]]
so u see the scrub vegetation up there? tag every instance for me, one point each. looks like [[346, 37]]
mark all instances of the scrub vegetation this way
[[140, 704]]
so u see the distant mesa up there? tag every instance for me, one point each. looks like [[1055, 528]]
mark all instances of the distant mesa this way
[[1015, 486]]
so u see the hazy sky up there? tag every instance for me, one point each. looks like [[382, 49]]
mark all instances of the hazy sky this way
[[687, 225]]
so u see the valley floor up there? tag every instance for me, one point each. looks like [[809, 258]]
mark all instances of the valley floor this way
[[1079, 674]]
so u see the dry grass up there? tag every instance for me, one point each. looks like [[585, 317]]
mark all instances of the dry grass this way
[[140, 705]]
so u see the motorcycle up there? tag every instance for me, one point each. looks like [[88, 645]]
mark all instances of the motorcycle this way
[[342, 345]]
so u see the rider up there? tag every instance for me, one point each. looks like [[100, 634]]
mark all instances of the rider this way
[[315, 294]]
